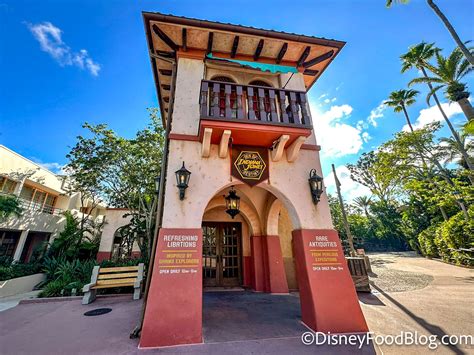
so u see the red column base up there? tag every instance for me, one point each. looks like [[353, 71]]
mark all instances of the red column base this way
[[102, 255], [173, 313], [328, 297], [275, 267]]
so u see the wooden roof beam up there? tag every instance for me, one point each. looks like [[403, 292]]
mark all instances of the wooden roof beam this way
[[282, 52], [210, 39], [184, 39], [319, 59], [165, 72], [311, 72], [164, 37], [235, 45], [258, 50], [304, 55]]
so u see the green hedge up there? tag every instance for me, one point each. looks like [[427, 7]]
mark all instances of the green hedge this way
[[11, 270], [447, 238], [426, 241]]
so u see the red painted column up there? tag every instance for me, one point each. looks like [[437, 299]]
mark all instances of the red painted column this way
[[328, 298], [257, 262], [103, 255], [173, 312], [276, 275]]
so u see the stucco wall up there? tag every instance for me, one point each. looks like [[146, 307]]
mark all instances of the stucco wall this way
[[284, 232], [113, 220], [14, 166]]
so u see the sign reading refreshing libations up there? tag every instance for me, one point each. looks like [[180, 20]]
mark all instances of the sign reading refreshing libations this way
[[249, 164], [179, 254]]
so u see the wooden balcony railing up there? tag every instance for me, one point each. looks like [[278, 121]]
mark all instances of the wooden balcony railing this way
[[254, 104]]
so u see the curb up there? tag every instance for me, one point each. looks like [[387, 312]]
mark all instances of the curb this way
[[69, 298]]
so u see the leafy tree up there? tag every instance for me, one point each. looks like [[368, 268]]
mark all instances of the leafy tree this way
[[73, 242], [467, 53], [398, 159], [366, 172], [447, 74], [418, 57], [9, 206], [122, 172]]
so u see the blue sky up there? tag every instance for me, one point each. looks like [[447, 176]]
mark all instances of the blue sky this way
[[99, 72]]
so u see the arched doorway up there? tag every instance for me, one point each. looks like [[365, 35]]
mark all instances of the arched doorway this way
[[241, 251]]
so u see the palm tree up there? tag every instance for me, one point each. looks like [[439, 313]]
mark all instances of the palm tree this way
[[418, 57], [363, 202], [448, 25], [447, 73], [400, 99], [451, 149]]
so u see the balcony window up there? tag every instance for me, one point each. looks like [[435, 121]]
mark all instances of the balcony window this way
[[38, 200], [7, 186]]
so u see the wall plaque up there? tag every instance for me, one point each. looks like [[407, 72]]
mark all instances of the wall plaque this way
[[249, 164]]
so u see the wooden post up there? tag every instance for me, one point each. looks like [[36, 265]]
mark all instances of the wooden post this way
[[344, 216]]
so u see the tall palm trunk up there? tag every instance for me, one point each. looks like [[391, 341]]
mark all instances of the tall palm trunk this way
[[440, 167], [452, 31], [407, 118], [455, 134], [466, 107]]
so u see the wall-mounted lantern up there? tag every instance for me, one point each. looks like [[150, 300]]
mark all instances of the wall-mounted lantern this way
[[182, 180], [315, 185], [232, 203]]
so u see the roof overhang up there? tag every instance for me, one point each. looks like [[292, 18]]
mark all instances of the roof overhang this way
[[170, 36]]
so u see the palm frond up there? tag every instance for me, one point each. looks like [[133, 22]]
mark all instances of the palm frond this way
[[432, 92]]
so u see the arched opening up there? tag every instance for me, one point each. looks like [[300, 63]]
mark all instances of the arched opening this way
[[262, 100], [222, 95], [260, 240]]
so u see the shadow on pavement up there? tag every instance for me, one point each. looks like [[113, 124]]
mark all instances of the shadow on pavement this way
[[431, 328]]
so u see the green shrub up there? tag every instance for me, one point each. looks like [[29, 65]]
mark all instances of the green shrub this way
[[426, 241], [455, 234], [14, 270], [63, 276], [53, 289]]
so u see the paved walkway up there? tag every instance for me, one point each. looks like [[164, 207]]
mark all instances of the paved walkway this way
[[411, 294], [414, 294], [12, 301]]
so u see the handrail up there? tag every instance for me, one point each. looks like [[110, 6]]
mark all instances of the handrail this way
[[34, 206], [254, 104]]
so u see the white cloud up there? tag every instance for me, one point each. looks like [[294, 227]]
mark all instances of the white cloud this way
[[349, 188], [336, 137], [49, 38], [366, 136], [376, 113], [432, 114]]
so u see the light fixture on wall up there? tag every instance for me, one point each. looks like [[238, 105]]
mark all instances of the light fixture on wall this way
[[182, 180], [232, 203], [315, 185]]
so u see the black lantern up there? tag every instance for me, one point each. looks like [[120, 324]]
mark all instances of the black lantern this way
[[182, 180], [232, 203], [315, 185], [157, 184]]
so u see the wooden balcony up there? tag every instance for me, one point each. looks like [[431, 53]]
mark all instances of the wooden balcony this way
[[255, 115]]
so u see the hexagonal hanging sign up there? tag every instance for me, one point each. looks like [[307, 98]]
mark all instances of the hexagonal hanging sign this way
[[249, 164]]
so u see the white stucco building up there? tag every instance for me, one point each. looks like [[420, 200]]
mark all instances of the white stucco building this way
[[43, 198]]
